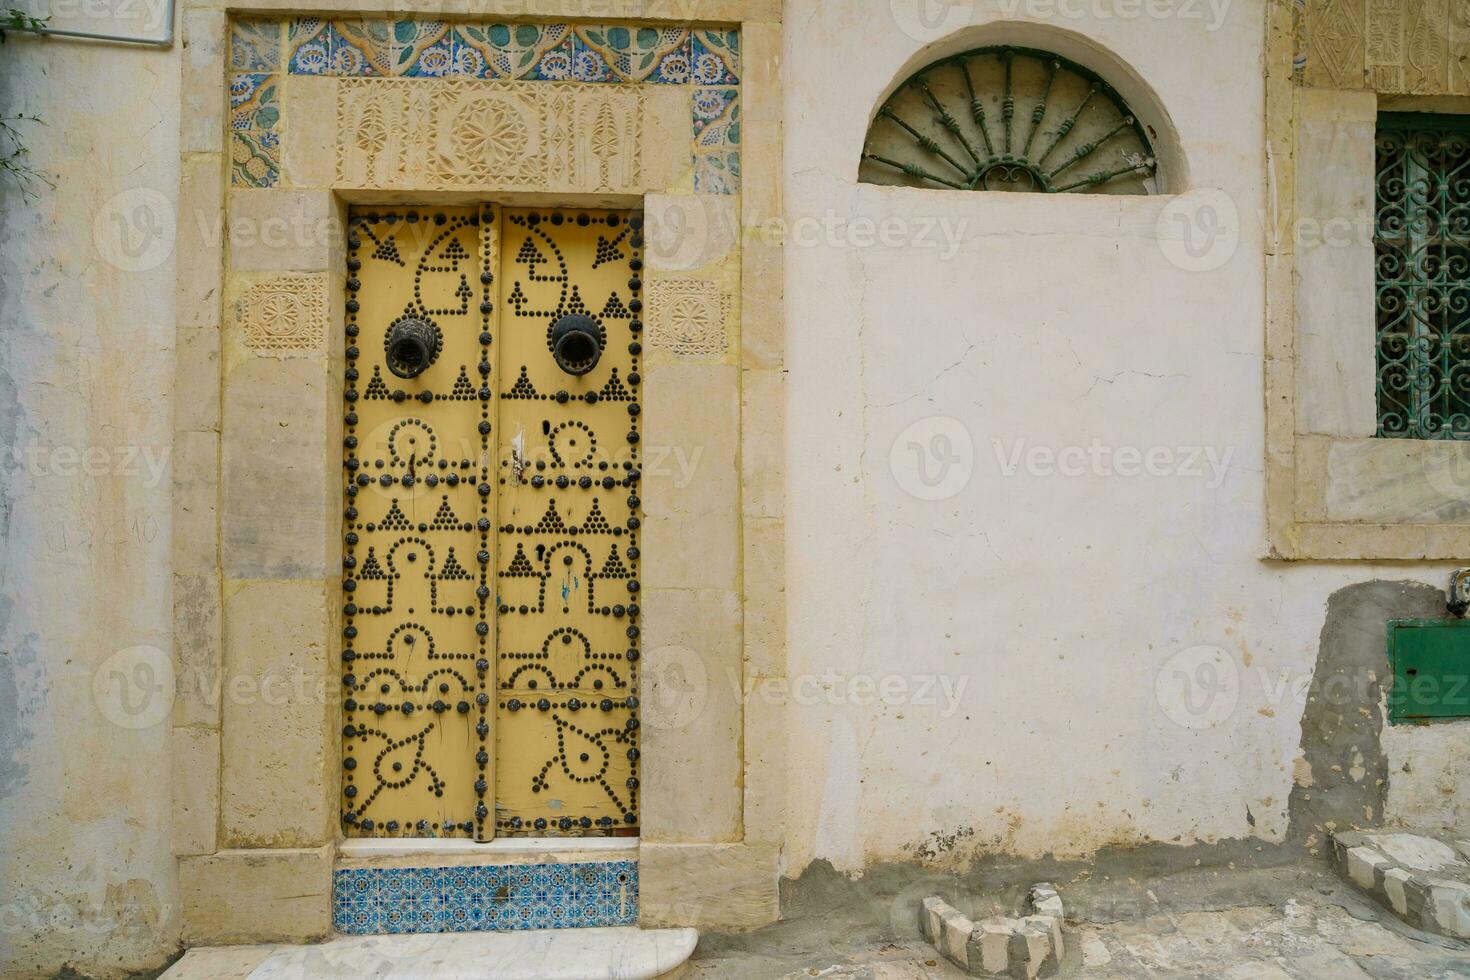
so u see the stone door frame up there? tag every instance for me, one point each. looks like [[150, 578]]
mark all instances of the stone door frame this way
[[256, 538]]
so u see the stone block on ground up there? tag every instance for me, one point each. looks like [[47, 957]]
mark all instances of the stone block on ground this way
[[1423, 877], [1025, 948]]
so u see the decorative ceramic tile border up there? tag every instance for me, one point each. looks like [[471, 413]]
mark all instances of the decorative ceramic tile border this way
[[255, 144], [255, 45], [717, 173], [707, 62], [716, 117], [615, 54], [485, 898]]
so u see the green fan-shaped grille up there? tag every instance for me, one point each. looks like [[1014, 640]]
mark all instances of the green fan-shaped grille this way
[[1008, 118]]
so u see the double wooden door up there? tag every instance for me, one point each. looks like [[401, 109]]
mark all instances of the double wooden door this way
[[491, 522]]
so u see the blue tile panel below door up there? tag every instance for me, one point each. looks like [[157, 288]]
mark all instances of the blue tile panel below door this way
[[499, 897]]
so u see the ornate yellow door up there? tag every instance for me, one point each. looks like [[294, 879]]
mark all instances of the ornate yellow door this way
[[492, 470], [566, 720]]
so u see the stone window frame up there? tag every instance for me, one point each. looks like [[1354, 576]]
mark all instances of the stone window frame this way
[[238, 886], [1334, 490]]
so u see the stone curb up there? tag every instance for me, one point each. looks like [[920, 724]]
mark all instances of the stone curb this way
[[1025, 947], [1429, 902]]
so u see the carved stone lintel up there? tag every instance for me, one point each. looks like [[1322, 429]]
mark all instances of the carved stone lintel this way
[[411, 133], [1395, 47]]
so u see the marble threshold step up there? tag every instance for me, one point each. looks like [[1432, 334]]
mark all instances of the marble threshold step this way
[[624, 953]]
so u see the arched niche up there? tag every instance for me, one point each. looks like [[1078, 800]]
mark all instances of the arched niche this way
[[1015, 106]]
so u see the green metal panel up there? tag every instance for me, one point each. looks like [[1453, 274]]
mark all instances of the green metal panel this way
[[1430, 660]]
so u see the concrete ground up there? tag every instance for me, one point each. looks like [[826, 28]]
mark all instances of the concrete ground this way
[[1291, 921]]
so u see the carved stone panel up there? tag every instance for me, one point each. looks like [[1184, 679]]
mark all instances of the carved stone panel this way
[[687, 317], [412, 133], [285, 315], [1459, 28], [1335, 41], [1408, 47]]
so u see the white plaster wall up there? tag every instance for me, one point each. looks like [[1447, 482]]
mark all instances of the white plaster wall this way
[[1428, 777], [86, 366], [1067, 606]]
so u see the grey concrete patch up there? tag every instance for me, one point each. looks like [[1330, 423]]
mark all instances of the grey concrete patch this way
[[14, 735], [1345, 783], [1104, 888]]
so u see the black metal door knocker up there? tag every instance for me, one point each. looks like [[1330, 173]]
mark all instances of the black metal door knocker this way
[[576, 343]]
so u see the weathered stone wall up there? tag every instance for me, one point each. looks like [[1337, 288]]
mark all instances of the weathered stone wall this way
[[86, 377]]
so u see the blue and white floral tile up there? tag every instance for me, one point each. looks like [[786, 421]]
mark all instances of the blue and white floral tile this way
[[517, 882], [254, 103], [357, 916], [638, 54], [255, 158], [361, 48], [354, 884], [455, 881], [716, 117], [393, 884], [586, 875], [618, 874], [675, 69], [485, 885], [467, 58], [348, 48], [461, 917], [588, 63], [255, 45], [519, 50], [717, 172], [498, 897], [558, 64], [422, 49], [308, 46], [715, 57]]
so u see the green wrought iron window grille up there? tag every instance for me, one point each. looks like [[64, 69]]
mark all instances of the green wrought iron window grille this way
[[1422, 250]]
